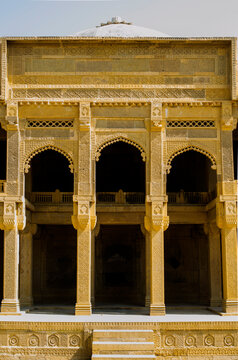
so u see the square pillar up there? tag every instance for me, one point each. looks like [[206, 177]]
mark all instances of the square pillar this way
[[10, 303], [226, 213], [83, 298]]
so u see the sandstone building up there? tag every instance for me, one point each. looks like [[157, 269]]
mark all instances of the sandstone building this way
[[118, 190]]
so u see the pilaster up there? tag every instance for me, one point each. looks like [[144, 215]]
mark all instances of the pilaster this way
[[156, 219], [227, 222], [84, 218]]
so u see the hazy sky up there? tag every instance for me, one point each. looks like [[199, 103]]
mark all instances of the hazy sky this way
[[173, 17]]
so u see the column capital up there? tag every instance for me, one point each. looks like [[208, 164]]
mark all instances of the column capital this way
[[226, 214]]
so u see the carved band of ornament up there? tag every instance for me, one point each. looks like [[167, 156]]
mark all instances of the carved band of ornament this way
[[156, 223], [120, 138], [191, 148], [47, 147], [108, 93]]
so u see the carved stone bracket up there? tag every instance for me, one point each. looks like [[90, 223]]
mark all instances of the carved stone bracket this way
[[13, 215], [84, 116], [12, 116], [82, 217], [158, 219], [226, 207], [157, 122], [228, 122]]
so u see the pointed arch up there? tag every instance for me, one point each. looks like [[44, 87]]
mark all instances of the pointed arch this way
[[191, 148], [44, 148], [118, 139]]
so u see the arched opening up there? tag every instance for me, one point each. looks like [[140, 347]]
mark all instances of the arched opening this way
[[120, 167], [48, 172], [49, 186], [120, 244], [3, 158], [191, 179], [191, 184], [120, 266]]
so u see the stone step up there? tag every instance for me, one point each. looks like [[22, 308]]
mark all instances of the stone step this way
[[122, 357], [115, 347], [123, 335], [123, 344]]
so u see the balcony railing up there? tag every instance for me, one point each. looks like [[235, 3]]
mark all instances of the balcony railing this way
[[120, 197], [183, 197], [2, 186], [56, 197]]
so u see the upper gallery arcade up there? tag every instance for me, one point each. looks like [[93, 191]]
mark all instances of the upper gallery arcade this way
[[118, 168]]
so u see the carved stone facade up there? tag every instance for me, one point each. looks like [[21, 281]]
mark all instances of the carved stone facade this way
[[162, 98]]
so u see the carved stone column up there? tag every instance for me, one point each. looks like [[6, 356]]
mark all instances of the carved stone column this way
[[227, 222], [11, 223], [26, 248], [84, 218], [13, 217], [156, 219], [214, 236], [156, 224]]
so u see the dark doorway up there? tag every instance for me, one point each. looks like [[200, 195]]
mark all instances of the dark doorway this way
[[120, 265], [186, 265], [3, 153], [120, 167], [54, 265]]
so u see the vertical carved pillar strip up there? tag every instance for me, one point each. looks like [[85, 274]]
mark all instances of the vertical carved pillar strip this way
[[10, 302], [26, 253], [230, 270], [83, 300], [215, 265], [227, 222], [156, 219], [83, 218], [157, 305]]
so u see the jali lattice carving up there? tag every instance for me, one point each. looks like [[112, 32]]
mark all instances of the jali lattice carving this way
[[191, 124], [49, 123]]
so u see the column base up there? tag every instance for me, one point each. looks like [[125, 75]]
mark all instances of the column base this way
[[157, 310], [83, 309], [230, 307], [10, 307]]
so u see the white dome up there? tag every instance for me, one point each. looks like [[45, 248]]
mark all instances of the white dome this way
[[116, 28]]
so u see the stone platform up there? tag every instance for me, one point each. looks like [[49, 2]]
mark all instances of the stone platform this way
[[44, 334]]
